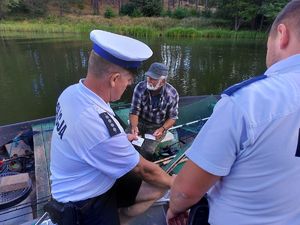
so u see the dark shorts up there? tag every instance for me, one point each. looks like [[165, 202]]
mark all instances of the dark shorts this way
[[127, 188], [104, 209]]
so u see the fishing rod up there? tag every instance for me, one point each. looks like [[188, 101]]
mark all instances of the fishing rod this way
[[189, 123], [184, 125]]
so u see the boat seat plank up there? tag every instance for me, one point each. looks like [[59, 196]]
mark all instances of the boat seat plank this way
[[14, 182], [41, 141]]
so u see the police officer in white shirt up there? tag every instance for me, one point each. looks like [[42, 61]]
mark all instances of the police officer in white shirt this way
[[247, 156], [95, 170]]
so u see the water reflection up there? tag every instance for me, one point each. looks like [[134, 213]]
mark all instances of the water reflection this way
[[34, 71]]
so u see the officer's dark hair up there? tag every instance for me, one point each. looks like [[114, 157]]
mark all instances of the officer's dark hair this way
[[100, 67], [290, 16]]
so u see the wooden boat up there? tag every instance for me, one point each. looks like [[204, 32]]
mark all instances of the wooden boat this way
[[25, 147]]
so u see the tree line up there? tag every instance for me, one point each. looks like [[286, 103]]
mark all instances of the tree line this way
[[249, 14]]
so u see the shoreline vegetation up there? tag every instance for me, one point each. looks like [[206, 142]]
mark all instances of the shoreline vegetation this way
[[138, 27]]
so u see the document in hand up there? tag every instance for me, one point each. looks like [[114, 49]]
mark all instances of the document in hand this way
[[150, 136], [138, 142]]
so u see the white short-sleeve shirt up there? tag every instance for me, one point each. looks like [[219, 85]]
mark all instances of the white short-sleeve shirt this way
[[85, 159], [251, 141]]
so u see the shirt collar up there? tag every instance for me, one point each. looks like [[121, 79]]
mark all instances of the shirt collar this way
[[283, 64], [97, 100]]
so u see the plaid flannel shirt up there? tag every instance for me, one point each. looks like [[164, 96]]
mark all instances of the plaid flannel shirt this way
[[167, 108]]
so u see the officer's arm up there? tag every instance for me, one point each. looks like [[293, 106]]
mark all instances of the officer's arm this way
[[189, 187], [153, 174]]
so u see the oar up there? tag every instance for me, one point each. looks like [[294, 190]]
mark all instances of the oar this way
[[181, 154], [174, 162]]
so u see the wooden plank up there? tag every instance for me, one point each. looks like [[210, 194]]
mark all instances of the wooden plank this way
[[47, 133], [41, 166], [14, 182]]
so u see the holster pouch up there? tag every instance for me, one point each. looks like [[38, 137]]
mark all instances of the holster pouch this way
[[199, 213], [62, 213]]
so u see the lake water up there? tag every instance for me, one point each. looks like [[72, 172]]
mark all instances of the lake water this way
[[35, 69]]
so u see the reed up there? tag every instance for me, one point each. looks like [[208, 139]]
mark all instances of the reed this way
[[148, 27], [213, 33], [39, 27]]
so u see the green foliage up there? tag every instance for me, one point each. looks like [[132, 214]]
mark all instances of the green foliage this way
[[270, 9], [137, 31], [136, 13], [194, 13], [137, 8], [207, 13], [37, 8], [246, 12], [236, 14], [127, 9], [3, 9], [151, 8], [16, 6], [109, 13], [63, 25], [179, 32], [165, 13], [181, 13]]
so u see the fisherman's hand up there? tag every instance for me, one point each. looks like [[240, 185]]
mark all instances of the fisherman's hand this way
[[177, 219], [158, 133], [131, 137], [135, 131]]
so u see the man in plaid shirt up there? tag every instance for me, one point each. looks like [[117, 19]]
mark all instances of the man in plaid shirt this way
[[154, 108]]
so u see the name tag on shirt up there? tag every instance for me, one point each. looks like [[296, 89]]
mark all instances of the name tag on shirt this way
[[138, 142]]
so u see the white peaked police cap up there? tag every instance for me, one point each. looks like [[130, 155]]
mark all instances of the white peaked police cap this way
[[123, 51]]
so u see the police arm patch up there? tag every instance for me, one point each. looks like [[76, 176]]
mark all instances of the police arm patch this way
[[112, 127]]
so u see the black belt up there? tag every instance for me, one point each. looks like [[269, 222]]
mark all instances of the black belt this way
[[69, 213]]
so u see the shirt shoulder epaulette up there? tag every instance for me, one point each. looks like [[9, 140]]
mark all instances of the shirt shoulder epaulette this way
[[229, 91], [111, 125]]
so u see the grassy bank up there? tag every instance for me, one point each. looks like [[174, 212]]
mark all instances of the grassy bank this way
[[138, 27]]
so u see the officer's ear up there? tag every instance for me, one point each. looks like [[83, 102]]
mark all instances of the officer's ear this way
[[283, 36], [113, 79]]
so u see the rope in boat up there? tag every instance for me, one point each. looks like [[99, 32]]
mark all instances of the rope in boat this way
[[29, 205], [25, 205], [33, 211]]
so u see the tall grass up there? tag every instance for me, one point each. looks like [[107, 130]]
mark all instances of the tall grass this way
[[138, 27], [213, 33]]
